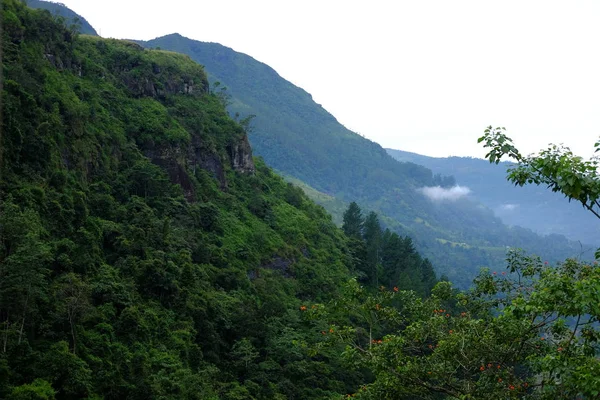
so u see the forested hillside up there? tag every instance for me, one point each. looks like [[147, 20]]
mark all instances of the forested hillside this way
[[71, 18], [144, 252], [528, 207], [300, 138]]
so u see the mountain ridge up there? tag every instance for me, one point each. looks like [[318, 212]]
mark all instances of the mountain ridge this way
[[301, 139], [525, 206]]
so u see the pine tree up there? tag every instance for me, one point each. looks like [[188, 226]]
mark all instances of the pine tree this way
[[353, 221], [372, 236]]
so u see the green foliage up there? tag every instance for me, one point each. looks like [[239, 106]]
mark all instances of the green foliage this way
[[336, 166], [71, 18], [353, 221], [527, 207], [384, 259], [137, 259], [39, 389], [557, 167], [529, 333]]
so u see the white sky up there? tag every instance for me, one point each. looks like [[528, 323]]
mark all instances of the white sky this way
[[420, 75]]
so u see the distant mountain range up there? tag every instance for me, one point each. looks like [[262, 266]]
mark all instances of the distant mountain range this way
[[299, 138], [533, 207]]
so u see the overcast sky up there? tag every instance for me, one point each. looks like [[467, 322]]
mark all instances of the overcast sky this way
[[420, 75]]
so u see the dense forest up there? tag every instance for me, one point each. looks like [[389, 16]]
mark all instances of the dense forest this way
[[299, 138], [146, 254]]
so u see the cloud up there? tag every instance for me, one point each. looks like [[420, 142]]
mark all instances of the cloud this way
[[438, 193], [508, 207]]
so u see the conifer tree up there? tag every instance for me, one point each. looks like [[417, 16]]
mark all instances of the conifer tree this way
[[353, 221]]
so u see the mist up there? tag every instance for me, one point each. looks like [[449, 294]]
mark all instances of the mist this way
[[438, 193]]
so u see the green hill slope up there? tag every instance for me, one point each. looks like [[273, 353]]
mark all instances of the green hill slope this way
[[298, 137], [71, 18], [527, 206], [143, 253]]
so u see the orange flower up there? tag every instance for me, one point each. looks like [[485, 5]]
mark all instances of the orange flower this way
[[323, 333], [482, 368], [499, 379], [447, 315], [511, 387], [451, 331], [490, 365], [302, 308], [463, 314], [331, 330], [560, 349], [395, 288]]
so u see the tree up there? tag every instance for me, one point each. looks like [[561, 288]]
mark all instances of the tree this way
[[372, 236], [532, 331], [557, 167], [353, 221]]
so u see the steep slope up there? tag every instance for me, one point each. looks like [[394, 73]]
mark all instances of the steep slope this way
[[143, 253], [528, 206], [298, 137], [71, 17]]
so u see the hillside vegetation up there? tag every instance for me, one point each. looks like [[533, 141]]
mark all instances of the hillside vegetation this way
[[144, 252], [71, 18], [301, 139], [528, 207]]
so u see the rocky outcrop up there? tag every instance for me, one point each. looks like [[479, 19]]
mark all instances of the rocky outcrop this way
[[181, 162], [151, 87], [171, 160], [240, 154], [200, 157]]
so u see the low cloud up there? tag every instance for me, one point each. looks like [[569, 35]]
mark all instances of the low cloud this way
[[438, 193]]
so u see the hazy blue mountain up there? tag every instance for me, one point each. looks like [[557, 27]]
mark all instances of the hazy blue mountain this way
[[533, 207], [65, 12]]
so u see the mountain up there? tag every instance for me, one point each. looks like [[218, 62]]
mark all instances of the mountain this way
[[532, 207], [301, 139], [144, 253], [71, 17]]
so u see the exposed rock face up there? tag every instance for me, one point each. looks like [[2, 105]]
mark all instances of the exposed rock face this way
[[170, 159], [240, 154], [200, 157], [181, 162], [148, 86]]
